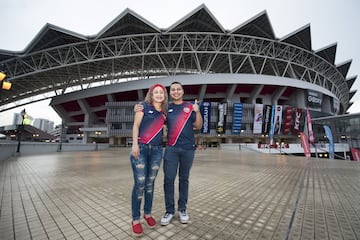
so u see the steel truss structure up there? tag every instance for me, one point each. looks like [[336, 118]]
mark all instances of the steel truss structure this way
[[58, 64], [148, 55]]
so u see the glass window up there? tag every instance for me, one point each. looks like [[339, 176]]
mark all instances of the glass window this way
[[129, 125], [116, 126], [129, 111]]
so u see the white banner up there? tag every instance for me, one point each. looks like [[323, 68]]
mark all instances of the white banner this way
[[278, 119], [258, 118]]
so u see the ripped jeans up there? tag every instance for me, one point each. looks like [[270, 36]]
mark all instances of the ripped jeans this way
[[145, 170]]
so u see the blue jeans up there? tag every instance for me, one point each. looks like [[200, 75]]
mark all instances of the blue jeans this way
[[145, 170], [174, 159]]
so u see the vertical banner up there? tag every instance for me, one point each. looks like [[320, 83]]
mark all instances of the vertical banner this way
[[267, 119], [221, 125], [277, 119], [331, 141], [258, 118], [311, 133], [237, 118], [272, 125], [288, 119], [305, 144], [355, 154], [206, 114], [297, 127]]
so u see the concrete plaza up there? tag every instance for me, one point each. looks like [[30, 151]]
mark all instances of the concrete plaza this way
[[234, 194]]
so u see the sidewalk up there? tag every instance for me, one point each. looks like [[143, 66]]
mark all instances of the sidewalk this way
[[233, 195]]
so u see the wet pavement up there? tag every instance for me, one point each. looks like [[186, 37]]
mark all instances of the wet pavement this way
[[233, 195]]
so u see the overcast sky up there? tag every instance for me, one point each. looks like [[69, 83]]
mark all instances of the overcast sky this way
[[331, 21]]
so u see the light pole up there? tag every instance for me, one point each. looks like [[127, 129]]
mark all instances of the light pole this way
[[20, 128], [97, 133], [61, 136]]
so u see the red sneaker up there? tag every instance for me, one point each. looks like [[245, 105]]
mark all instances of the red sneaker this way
[[136, 229], [150, 221]]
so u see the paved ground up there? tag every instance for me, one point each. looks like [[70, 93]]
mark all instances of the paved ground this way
[[233, 195]]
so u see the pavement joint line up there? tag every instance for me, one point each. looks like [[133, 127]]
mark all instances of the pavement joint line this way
[[301, 187]]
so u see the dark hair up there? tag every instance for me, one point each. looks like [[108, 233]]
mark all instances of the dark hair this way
[[176, 83]]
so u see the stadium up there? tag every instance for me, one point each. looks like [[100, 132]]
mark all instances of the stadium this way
[[249, 82]]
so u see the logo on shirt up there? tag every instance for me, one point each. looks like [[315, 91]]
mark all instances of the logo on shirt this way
[[186, 109]]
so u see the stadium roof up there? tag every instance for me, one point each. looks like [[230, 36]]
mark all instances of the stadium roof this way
[[58, 61]]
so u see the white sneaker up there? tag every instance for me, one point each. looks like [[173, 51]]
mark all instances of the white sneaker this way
[[184, 217], [165, 220]]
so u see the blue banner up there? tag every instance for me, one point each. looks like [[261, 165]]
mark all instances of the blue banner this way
[[237, 118], [331, 141], [206, 114]]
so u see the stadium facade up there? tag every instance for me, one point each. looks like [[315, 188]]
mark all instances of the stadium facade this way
[[252, 86]]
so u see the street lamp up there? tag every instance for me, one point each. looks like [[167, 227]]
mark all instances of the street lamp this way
[[20, 128], [2, 76], [4, 84]]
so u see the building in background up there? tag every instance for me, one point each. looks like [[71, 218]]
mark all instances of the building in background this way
[[43, 124], [345, 129], [17, 118], [253, 87]]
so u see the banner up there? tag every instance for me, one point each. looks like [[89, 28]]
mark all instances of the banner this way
[[288, 119], [237, 118], [221, 125], [278, 119], [267, 119], [206, 114], [331, 141], [314, 99], [356, 154], [305, 144], [298, 121], [311, 133], [272, 125], [335, 106], [258, 118]]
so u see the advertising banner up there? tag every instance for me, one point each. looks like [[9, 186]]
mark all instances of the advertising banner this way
[[305, 144], [298, 121], [311, 133], [314, 100], [331, 141], [206, 114], [221, 125], [335, 106], [237, 118], [277, 119], [258, 118], [288, 119], [356, 154], [267, 119], [272, 125]]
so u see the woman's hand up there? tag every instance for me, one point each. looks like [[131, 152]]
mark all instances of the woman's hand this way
[[135, 151]]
